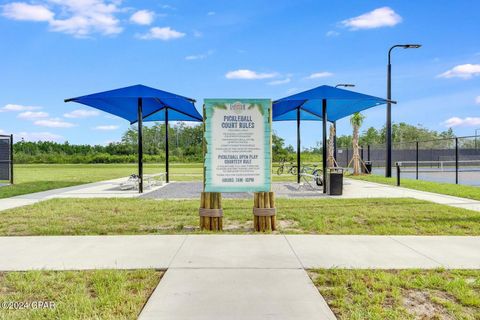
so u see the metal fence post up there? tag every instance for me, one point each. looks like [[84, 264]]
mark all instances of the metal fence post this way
[[346, 164], [416, 160], [398, 173], [11, 159], [456, 160]]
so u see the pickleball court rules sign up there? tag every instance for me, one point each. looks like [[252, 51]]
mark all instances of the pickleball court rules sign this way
[[238, 145]]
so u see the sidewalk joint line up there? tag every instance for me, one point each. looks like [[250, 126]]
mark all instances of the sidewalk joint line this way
[[291, 248], [420, 253], [178, 250], [236, 268]]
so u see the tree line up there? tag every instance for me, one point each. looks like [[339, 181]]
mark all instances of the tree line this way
[[186, 145], [401, 133]]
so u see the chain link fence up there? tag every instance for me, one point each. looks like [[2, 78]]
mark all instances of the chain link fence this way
[[451, 160], [6, 159]]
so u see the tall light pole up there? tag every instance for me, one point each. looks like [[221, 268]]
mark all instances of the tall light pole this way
[[388, 165], [346, 85]]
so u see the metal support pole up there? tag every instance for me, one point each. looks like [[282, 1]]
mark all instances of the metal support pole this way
[[456, 160], [368, 152], [346, 163], [166, 147], [298, 145], [388, 164], [398, 174], [140, 146], [335, 140], [11, 159], [324, 144], [416, 160]]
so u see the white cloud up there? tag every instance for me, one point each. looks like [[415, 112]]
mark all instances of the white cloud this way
[[332, 33], [165, 34], [27, 12], [169, 7], [277, 82], [211, 13], [318, 75], [143, 17], [477, 100], [54, 123], [2, 131], [196, 57], [37, 136], [464, 71], [381, 17], [465, 122], [81, 113], [79, 18], [88, 16], [18, 107], [248, 75], [29, 115], [106, 127], [199, 56]]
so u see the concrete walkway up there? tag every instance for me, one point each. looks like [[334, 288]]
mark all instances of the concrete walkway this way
[[237, 276], [364, 189], [352, 189], [102, 189], [238, 251], [191, 190]]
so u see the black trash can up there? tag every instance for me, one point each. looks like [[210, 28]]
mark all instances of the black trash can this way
[[335, 181], [368, 167]]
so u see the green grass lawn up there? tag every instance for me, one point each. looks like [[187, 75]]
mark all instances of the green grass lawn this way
[[326, 216], [30, 178], [403, 294], [98, 294], [456, 190]]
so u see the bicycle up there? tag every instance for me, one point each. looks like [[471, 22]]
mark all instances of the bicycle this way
[[292, 169]]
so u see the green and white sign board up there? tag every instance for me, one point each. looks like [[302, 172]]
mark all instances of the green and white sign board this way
[[238, 145]]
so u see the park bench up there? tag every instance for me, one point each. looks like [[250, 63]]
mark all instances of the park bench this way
[[149, 180]]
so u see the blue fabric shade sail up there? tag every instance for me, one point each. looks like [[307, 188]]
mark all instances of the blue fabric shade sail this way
[[324, 103], [123, 102], [141, 103], [340, 104]]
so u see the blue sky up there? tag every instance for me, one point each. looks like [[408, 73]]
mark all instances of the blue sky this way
[[55, 49]]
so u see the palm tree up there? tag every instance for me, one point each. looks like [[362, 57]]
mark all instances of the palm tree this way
[[356, 121]]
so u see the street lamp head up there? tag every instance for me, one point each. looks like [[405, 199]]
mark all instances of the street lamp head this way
[[412, 46]]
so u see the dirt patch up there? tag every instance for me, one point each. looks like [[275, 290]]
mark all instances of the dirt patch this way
[[420, 305], [237, 226], [288, 225]]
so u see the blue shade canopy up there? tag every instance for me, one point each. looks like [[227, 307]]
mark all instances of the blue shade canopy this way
[[123, 102], [340, 104]]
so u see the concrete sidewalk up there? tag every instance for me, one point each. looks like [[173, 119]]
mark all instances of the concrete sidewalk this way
[[364, 189], [237, 276], [102, 189], [238, 251], [352, 189], [191, 190]]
